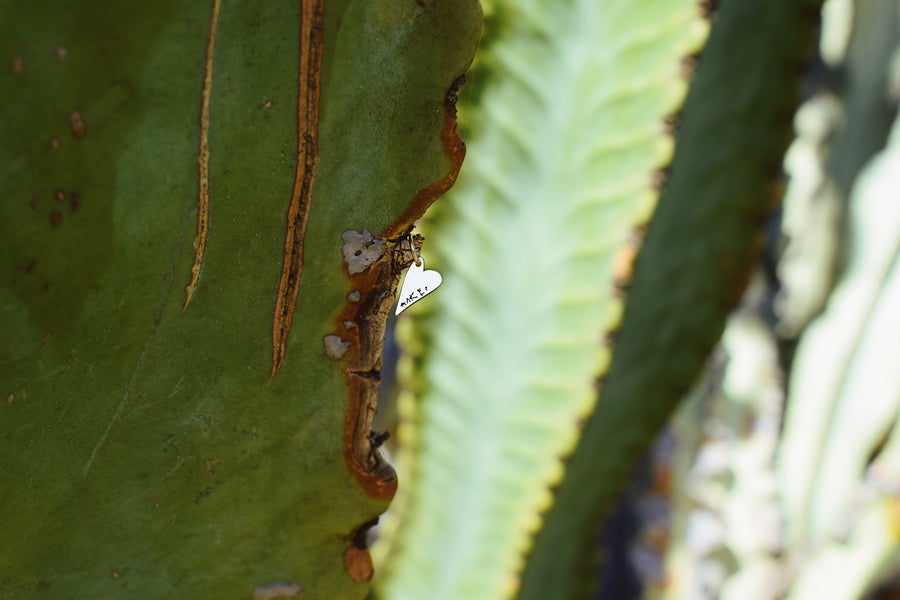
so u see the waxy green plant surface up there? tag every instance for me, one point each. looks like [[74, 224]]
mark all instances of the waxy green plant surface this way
[[145, 452]]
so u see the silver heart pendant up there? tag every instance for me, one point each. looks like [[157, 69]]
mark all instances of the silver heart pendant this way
[[418, 284]]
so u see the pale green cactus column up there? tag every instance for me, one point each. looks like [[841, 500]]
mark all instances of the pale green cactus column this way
[[567, 131]]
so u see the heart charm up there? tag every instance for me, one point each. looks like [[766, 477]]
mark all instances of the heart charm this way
[[418, 284]]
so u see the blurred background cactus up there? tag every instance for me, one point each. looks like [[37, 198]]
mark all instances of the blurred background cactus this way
[[786, 468], [777, 476]]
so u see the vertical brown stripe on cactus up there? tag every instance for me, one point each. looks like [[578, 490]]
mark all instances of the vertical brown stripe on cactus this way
[[307, 155]]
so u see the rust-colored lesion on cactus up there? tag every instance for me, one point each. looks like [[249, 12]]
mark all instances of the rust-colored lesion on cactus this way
[[363, 319], [360, 328]]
